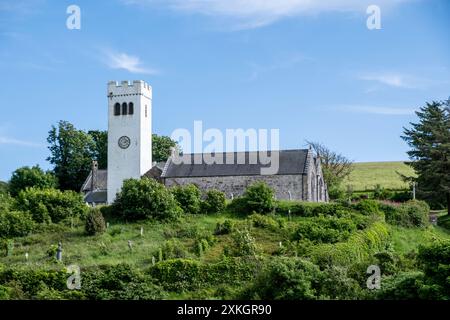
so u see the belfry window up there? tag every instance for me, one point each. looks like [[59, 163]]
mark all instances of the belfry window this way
[[130, 108], [117, 109], [124, 108]]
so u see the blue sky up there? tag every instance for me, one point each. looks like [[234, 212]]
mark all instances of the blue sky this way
[[309, 68]]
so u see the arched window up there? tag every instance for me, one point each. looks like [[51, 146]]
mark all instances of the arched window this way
[[124, 108], [130, 108], [117, 109]]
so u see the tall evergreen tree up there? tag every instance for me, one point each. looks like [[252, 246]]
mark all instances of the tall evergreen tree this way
[[429, 140]]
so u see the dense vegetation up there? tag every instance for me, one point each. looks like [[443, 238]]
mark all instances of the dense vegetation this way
[[158, 243]]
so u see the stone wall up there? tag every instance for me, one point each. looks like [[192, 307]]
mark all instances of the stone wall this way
[[235, 185]]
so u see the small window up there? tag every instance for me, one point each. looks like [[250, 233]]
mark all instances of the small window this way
[[146, 111], [117, 109], [124, 108], [130, 108]]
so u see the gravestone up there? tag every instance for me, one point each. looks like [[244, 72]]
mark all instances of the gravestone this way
[[59, 252]]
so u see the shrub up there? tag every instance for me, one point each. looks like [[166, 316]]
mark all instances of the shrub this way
[[51, 205], [413, 213], [435, 262], [214, 202], [286, 279], [225, 227], [15, 224], [244, 244], [367, 207], [310, 209], [337, 284], [359, 247], [119, 282], [95, 223], [324, 229], [401, 286], [265, 222], [146, 198], [258, 197], [27, 177], [171, 249], [188, 198], [184, 274]]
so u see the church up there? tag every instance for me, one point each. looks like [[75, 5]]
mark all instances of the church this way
[[299, 175]]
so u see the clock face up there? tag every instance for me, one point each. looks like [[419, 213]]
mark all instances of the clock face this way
[[124, 142]]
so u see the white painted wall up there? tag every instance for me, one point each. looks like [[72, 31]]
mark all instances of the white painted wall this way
[[136, 160]]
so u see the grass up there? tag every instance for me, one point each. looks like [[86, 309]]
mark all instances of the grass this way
[[405, 240], [366, 175]]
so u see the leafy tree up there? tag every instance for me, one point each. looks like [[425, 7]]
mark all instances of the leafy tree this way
[[335, 166], [101, 147], [146, 198], [161, 147], [15, 224], [72, 152], [27, 177], [429, 140]]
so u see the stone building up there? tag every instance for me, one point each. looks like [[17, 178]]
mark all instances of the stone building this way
[[299, 175]]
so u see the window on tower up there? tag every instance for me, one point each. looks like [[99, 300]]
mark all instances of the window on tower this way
[[117, 109], [124, 108], [130, 108], [146, 111]]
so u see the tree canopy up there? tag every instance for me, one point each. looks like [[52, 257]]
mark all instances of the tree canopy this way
[[27, 177], [429, 140]]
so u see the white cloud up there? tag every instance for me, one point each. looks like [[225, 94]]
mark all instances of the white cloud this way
[[388, 111], [127, 62], [257, 13], [393, 79], [17, 142]]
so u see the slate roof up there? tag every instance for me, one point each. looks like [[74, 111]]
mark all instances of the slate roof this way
[[291, 162], [96, 197], [101, 183]]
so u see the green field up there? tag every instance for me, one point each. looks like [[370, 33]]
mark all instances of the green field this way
[[366, 175]]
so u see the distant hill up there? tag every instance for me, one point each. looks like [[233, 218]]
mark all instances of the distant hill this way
[[366, 175]]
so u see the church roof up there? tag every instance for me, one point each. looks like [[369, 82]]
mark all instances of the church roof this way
[[291, 162], [101, 183]]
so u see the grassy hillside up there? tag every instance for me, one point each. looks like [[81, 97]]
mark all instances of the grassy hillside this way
[[366, 175]]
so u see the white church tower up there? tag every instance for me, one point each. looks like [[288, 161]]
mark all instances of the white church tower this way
[[129, 133]]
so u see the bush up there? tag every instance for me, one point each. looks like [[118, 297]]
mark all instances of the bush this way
[[359, 247], [244, 244], [435, 262], [184, 274], [171, 249], [337, 284], [324, 229], [367, 207], [225, 227], [15, 224], [413, 213], [120, 282], [33, 177], [51, 205], [146, 198], [286, 279], [95, 223], [265, 222], [310, 209], [401, 286], [258, 197], [214, 202], [188, 198]]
